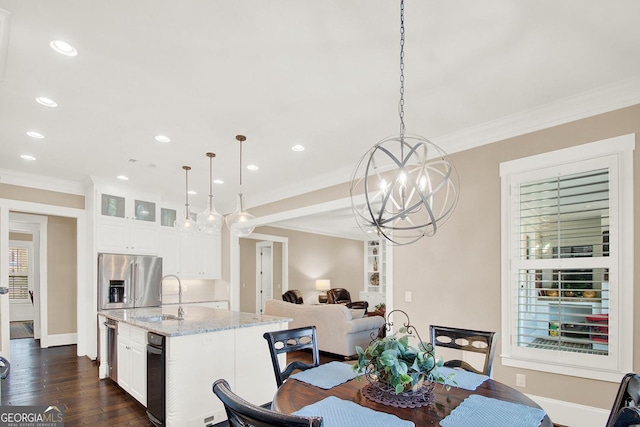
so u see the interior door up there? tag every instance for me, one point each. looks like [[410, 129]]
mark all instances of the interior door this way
[[264, 274]]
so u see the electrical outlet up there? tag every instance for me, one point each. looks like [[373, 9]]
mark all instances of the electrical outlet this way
[[185, 288], [521, 380], [407, 296]]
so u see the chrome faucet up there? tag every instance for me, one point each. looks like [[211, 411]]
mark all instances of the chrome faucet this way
[[180, 309]]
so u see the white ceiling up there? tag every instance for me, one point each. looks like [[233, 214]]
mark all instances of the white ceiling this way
[[324, 74]]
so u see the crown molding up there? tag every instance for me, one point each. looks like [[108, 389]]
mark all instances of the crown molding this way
[[600, 100], [604, 99], [41, 182]]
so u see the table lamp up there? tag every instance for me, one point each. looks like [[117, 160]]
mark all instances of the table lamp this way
[[323, 285]]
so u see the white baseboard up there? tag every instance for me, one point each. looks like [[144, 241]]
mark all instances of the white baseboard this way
[[62, 339], [572, 414]]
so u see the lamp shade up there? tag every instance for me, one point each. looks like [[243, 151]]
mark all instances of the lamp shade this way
[[323, 284]]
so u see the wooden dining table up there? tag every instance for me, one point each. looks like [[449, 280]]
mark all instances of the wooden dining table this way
[[294, 395]]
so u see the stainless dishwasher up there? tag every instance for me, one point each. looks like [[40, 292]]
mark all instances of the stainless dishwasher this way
[[112, 347], [156, 378]]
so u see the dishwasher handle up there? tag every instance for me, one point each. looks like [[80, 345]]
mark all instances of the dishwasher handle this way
[[154, 350], [111, 325]]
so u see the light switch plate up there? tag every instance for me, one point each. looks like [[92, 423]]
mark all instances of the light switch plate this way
[[407, 296]]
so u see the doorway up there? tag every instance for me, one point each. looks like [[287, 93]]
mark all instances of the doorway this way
[[27, 259], [264, 274]]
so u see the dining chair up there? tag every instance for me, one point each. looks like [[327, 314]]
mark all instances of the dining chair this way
[[288, 340], [625, 411], [241, 413], [465, 340]]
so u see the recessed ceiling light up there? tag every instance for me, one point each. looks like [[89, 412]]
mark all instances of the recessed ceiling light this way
[[123, 177], [27, 157], [298, 147], [162, 138], [218, 181], [63, 48], [46, 101], [193, 193], [252, 167], [34, 134]]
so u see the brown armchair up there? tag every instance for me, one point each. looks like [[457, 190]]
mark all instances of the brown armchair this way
[[342, 296], [293, 296]]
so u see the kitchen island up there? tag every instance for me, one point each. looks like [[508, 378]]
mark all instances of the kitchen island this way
[[205, 345]]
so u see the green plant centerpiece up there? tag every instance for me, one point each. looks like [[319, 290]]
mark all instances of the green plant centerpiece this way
[[399, 373]]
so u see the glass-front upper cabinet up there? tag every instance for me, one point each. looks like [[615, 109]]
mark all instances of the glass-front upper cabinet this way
[[145, 211], [113, 205], [126, 207], [167, 217]]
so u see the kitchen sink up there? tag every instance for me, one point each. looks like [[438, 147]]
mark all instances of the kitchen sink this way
[[157, 318]]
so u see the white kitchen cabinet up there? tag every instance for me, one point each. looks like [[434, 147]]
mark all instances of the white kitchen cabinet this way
[[169, 251], [195, 257], [132, 361], [127, 237], [126, 223], [200, 257]]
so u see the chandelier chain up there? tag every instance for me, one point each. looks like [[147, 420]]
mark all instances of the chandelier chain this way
[[402, 127]]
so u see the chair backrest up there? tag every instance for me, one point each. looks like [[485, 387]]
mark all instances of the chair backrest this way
[[289, 340], [466, 340], [628, 396], [241, 413], [338, 296], [293, 296]]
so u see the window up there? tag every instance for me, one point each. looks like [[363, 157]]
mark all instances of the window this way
[[19, 273], [567, 260]]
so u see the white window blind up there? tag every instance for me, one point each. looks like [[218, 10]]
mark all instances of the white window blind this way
[[564, 219], [18, 273]]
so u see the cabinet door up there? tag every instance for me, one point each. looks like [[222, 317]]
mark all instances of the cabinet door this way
[[139, 372], [210, 251], [124, 363], [169, 250], [113, 236], [112, 206], [144, 238], [190, 257]]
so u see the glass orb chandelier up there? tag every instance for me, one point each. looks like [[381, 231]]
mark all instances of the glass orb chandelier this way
[[209, 220], [409, 184], [240, 222], [186, 226]]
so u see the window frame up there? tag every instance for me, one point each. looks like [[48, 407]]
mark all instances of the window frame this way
[[617, 155], [29, 274]]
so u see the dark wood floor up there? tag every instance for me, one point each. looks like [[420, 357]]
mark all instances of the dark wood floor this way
[[56, 376]]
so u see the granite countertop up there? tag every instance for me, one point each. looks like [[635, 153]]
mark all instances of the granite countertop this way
[[197, 320]]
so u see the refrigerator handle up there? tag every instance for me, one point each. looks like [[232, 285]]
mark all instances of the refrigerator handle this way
[[136, 284]]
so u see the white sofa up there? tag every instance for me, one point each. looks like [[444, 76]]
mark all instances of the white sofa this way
[[338, 332]]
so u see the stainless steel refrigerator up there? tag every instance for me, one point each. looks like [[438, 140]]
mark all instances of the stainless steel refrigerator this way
[[129, 281]]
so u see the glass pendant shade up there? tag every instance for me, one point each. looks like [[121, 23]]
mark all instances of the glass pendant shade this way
[[239, 222], [186, 226], [210, 221]]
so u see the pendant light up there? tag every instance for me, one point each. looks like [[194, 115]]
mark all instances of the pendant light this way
[[409, 183], [240, 221], [186, 226], [210, 221]]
